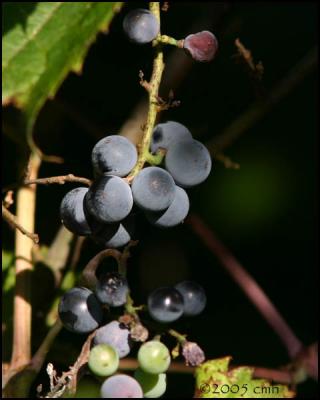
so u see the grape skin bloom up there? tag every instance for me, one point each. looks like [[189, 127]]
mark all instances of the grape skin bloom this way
[[194, 297], [112, 289], [109, 199], [174, 214], [141, 26], [80, 311], [166, 133], [114, 155], [165, 304], [121, 387], [202, 46], [189, 162], [115, 335], [153, 189], [72, 212]]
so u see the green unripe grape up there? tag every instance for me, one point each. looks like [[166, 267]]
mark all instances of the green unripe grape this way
[[153, 385], [103, 360], [154, 357]]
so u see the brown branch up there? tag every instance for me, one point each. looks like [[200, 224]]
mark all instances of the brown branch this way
[[89, 273], [12, 219], [255, 71], [228, 163], [61, 180], [26, 199], [244, 53], [276, 375], [247, 283]]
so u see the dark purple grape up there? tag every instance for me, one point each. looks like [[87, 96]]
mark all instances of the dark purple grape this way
[[109, 199], [80, 311], [189, 162], [194, 297], [153, 189], [114, 235], [72, 212], [141, 26], [174, 214], [116, 335], [121, 387], [114, 155], [112, 289], [165, 304], [166, 133], [202, 46]]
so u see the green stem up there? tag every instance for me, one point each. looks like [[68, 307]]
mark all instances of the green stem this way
[[164, 39], [158, 67], [179, 336]]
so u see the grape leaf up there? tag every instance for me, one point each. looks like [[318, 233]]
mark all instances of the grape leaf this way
[[41, 43], [214, 379]]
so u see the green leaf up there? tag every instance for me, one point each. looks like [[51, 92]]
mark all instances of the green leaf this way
[[7, 259], [8, 276], [41, 43], [214, 379]]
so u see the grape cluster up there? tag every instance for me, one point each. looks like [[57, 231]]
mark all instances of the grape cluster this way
[[82, 311], [104, 211]]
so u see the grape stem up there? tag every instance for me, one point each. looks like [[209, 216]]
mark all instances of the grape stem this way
[[12, 220], [153, 91], [164, 39], [276, 375], [61, 180], [179, 336]]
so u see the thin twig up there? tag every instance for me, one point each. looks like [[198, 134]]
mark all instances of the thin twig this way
[[276, 375], [89, 273], [255, 71], [12, 219], [60, 180], [247, 283], [228, 163], [68, 380]]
